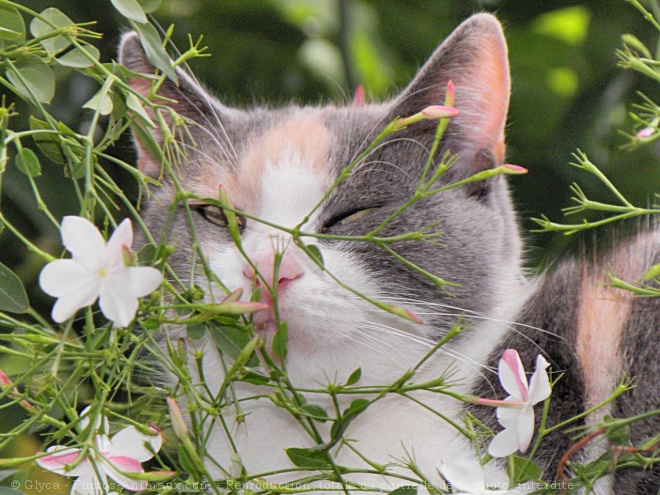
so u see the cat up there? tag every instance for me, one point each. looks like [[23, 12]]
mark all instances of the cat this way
[[277, 164]]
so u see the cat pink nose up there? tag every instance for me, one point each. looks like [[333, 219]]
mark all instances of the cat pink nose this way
[[287, 271]]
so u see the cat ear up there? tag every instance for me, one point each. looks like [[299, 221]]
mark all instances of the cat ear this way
[[187, 98], [474, 57]]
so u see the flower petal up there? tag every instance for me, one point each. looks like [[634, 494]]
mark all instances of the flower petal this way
[[84, 241], [539, 385], [130, 442], [512, 375], [117, 302], [101, 424], [465, 476], [120, 291], [122, 236], [141, 280], [62, 456], [508, 417], [525, 428], [113, 464], [66, 306], [65, 277], [505, 443], [90, 484]]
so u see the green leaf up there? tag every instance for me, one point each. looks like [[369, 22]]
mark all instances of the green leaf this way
[[13, 298], [404, 490], [531, 470], [125, 74], [196, 331], [146, 255], [279, 341], [356, 408], [619, 435], [251, 376], [314, 411], [47, 143], [230, 340], [40, 28], [307, 458], [28, 163], [134, 104], [149, 6], [77, 59], [100, 102], [38, 76], [316, 253], [130, 9], [77, 169], [12, 26], [153, 47], [355, 377]]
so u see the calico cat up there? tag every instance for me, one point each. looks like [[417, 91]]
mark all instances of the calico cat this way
[[277, 164]]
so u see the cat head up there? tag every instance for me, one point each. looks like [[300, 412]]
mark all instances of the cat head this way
[[278, 165]]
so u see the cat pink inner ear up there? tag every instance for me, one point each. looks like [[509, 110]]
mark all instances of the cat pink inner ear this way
[[475, 58], [482, 94]]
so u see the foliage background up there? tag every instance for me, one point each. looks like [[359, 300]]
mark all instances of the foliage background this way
[[567, 91]]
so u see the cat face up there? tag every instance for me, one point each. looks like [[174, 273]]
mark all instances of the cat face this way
[[280, 168]]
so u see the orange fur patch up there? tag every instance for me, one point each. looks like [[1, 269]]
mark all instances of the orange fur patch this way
[[603, 315], [304, 135]]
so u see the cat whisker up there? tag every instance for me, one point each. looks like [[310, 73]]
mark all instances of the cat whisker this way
[[428, 343], [364, 170], [216, 123], [472, 313], [390, 142], [361, 329]]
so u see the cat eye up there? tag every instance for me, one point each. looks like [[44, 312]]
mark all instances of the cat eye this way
[[347, 218], [216, 216]]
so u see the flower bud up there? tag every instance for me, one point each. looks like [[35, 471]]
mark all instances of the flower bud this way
[[440, 112], [450, 96], [178, 423], [404, 313], [233, 297], [4, 380], [513, 170], [433, 112], [127, 256], [359, 98], [646, 132]]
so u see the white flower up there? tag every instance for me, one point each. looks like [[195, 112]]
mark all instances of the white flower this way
[[468, 477], [110, 458], [517, 413], [97, 270]]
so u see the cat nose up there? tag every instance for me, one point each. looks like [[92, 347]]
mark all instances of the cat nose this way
[[288, 270]]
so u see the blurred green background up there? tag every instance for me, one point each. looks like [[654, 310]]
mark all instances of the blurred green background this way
[[567, 90]]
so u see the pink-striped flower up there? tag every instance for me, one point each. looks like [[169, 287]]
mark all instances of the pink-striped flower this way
[[115, 458], [648, 131], [14, 393], [516, 412]]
